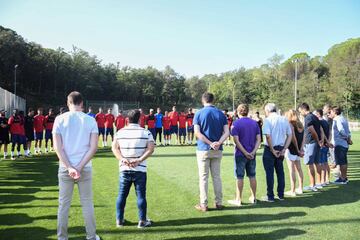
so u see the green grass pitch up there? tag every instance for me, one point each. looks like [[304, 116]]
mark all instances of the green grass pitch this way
[[28, 202]]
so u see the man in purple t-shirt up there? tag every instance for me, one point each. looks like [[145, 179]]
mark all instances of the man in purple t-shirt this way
[[247, 138]]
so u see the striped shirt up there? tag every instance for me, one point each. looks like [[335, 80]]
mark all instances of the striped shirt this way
[[133, 141]]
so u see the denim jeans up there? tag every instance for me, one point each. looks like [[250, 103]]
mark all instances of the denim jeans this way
[[127, 178], [270, 163]]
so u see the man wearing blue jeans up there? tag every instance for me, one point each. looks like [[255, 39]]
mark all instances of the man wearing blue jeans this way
[[246, 133], [132, 146], [278, 137]]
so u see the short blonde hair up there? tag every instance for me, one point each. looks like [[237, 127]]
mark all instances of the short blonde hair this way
[[243, 109]]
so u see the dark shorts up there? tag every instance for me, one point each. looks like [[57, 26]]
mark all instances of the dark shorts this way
[[182, 131], [101, 131], [341, 155], [29, 136], [323, 155], [153, 132], [16, 139], [190, 129], [22, 139], [167, 132], [4, 138], [48, 134], [312, 153], [174, 129], [109, 131], [39, 136], [242, 164]]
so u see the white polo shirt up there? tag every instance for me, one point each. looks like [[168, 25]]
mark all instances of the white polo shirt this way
[[278, 127], [133, 141], [75, 128]]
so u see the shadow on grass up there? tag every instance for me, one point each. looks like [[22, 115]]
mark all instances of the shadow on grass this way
[[37, 233], [276, 234], [231, 219], [21, 218]]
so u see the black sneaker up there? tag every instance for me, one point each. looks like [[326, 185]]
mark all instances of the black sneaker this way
[[281, 198], [144, 224], [340, 181], [267, 199]]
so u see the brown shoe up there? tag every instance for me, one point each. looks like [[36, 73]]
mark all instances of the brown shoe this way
[[201, 208], [219, 207]]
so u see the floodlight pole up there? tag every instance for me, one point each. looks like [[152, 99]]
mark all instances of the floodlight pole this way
[[295, 88]]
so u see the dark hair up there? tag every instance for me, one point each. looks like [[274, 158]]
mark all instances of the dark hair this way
[[337, 110], [30, 110], [320, 112], [257, 113], [134, 116], [75, 98], [304, 106], [208, 97], [40, 109]]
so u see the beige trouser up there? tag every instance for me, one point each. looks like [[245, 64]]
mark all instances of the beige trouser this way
[[66, 187], [209, 160]]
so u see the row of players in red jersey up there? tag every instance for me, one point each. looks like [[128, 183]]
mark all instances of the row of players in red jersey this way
[[174, 118]]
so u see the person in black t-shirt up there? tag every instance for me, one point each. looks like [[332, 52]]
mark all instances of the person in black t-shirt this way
[[29, 129], [313, 143], [4, 132], [325, 176]]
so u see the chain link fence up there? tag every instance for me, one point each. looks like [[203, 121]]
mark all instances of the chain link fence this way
[[10, 101]]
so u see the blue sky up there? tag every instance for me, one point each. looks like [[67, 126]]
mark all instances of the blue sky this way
[[194, 37]]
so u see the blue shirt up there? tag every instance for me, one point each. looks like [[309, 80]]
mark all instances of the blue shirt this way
[[91, 114], [211, 121], [158, 117], [340, 132]]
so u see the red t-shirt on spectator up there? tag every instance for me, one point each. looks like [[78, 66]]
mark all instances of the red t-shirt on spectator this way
[[189, 119]]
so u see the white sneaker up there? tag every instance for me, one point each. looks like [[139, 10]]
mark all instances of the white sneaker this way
[[97, 237], [319, 186], [310, 188], [290, 194], [299, 191], [145, 224], [234, 202]]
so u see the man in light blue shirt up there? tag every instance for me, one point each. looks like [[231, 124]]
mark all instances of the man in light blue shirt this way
[[341, 138], [211, 129]]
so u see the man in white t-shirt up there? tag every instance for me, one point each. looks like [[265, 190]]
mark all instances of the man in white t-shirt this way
[[132, 146], [75, 141], [278, 134]]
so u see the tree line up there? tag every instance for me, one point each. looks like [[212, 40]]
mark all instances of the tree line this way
[[45, 76]]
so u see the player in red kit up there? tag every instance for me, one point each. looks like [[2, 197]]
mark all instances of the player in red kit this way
[[39, 120], [49, 122], [174, 117], [100, 120], [16, 132], [109, 126], [4, 132], [120, 121], [190, 127], [150, 120], [182, 128], [229, 120], [167, 128], [142, 119]]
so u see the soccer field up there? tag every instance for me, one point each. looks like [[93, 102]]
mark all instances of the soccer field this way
[[28, 202]]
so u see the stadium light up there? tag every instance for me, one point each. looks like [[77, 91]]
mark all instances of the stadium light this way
[[15, 67]]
